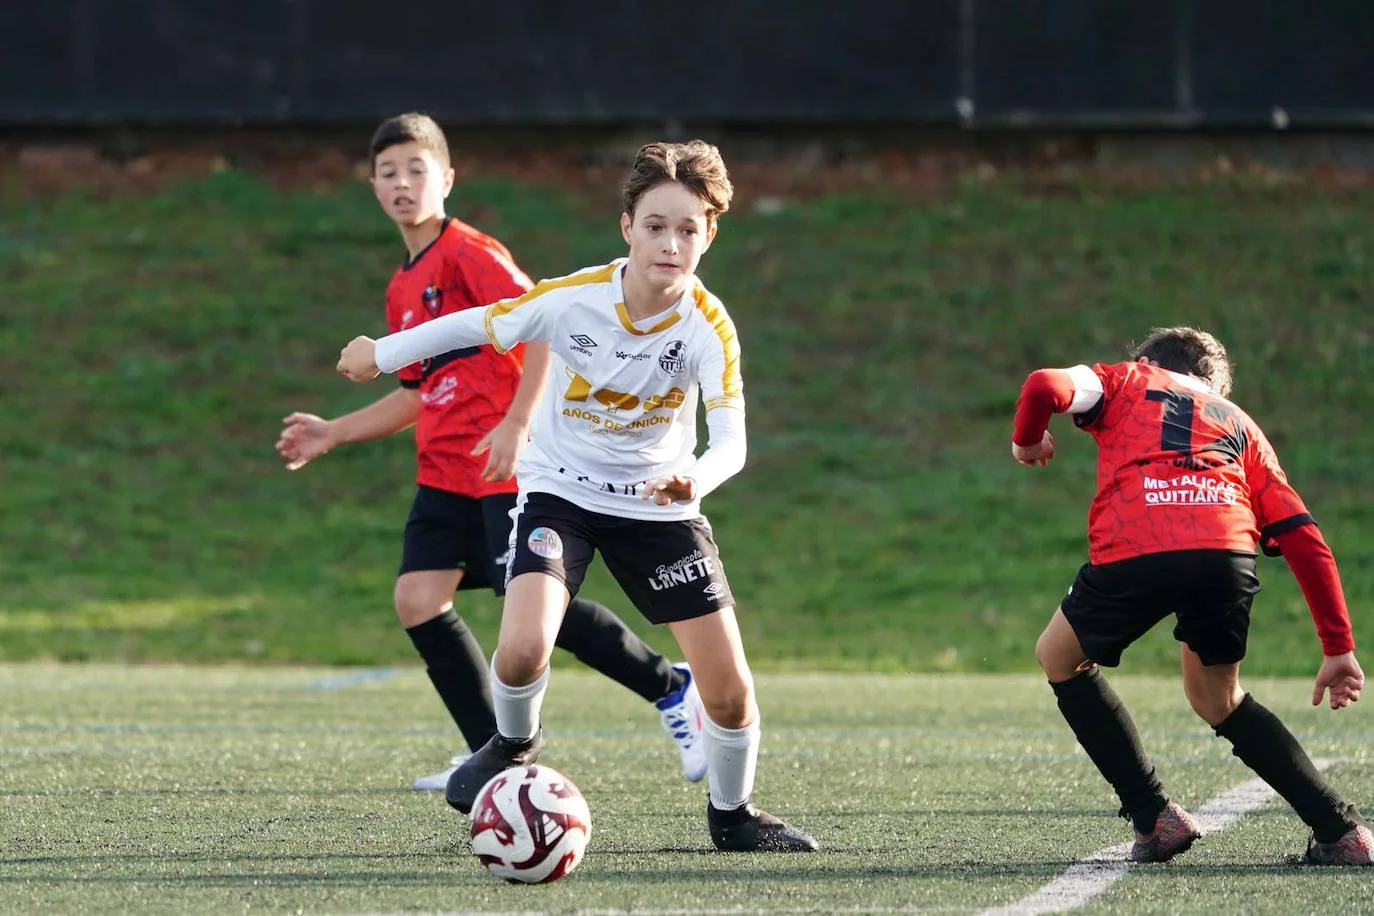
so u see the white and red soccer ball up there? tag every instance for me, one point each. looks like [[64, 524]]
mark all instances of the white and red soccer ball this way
[[531, 825]]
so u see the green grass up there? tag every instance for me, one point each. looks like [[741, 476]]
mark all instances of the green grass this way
[[167, 789], [152, 343]]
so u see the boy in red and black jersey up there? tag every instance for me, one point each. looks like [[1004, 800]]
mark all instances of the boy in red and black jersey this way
[[471, 411], [1188, 487]]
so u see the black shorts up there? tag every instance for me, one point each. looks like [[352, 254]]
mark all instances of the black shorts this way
[[1209, 591], [448, 531], [670, 570]]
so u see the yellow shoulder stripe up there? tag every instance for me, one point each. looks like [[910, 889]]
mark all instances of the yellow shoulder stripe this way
[[581, 278], [731, 385]]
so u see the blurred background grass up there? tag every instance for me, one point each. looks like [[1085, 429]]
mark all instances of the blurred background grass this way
[[152, 341]]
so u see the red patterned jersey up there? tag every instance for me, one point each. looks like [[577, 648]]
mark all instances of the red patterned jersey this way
[[1180, 468], [464, 393]]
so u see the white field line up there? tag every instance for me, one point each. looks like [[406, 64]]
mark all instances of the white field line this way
[[1094, 875]]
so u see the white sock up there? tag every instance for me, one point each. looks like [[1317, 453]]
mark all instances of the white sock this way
[[517, 708], [732, 755]]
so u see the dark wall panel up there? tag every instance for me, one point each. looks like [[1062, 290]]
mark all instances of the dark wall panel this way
[[981, 63]]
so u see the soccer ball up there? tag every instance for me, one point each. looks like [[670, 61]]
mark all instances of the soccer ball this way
[[530, 825]]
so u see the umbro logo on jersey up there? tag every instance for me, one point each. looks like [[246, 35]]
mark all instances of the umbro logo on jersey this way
[[582, 344]]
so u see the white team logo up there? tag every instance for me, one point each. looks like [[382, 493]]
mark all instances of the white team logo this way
[[545, 542], [673, 359]]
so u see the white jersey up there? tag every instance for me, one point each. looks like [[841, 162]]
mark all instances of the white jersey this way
[[620, 404]]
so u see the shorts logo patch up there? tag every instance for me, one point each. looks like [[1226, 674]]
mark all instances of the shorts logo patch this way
[[713, 590], [694, 567], [545, 542]]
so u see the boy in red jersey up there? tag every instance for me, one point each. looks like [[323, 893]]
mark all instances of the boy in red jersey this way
[[1188, 487], [471, 409]]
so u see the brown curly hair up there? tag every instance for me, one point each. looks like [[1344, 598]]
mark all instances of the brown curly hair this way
[[1190, 351], [695, 164]]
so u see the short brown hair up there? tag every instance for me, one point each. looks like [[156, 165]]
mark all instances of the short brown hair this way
[[411, 127], [1190, 351], [697, 165]]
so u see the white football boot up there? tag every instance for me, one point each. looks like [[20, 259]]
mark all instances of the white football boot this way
[[682, 719], [438, 781]]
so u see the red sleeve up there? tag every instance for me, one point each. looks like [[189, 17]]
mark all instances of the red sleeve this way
[[1277, 506], [1314, 567], [489, 273], [1045, 393]]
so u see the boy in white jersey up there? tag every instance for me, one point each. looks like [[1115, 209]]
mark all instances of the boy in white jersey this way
[[611, 466]]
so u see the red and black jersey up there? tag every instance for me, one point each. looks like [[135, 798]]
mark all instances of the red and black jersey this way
[[1180, 468], [464, 393]]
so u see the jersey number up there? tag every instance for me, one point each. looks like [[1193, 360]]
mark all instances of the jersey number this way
[[1176, 431]]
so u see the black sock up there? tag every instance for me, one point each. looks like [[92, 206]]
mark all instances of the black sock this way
[[458, 670], [1266, 746], [1104, 729], [602, 641]]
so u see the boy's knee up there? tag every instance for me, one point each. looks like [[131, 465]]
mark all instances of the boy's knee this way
[[414, 605], [1213, 704], [518, 664], [1052, 661], [730, 705]]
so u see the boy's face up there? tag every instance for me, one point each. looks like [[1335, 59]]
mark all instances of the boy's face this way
[[410, 183], [667, 234]]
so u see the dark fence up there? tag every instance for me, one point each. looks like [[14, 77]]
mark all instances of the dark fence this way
[[977, 63]]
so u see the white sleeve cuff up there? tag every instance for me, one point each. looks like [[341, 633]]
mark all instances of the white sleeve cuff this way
[[451, 332], [1087, 389]]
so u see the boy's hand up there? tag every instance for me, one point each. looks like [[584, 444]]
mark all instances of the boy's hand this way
[[1341, 674], [304, 436], [667, 490], [1037, 455], [358, 360], [504, 443]]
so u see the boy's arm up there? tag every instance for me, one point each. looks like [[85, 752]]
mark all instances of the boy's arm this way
[[454, 331], [506, 439], [722, 393], [1047, 392], [305, 437], [1287, 528], [502, 324], [1314, 566], [381, 418]]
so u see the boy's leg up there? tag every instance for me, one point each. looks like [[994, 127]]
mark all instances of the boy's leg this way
[[519, 678], [1265, 745], [433, 556], [590, 631], [672, 573], [599, 639], [1213, 627], [1101, 724], [549, 553], [602, 641], [453, 659], [731, 736]]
